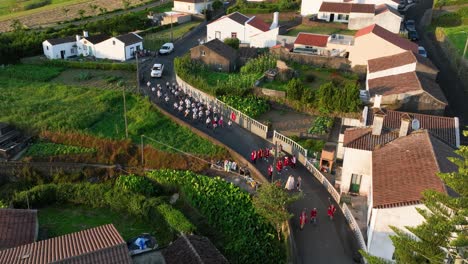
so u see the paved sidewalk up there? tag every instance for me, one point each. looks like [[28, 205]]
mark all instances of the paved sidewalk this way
[[329, 241]]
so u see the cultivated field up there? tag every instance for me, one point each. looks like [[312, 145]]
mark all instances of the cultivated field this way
[[56, 11]]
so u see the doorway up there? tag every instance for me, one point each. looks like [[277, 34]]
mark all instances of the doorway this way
[[62, 54], [332, 17], [355, 183]]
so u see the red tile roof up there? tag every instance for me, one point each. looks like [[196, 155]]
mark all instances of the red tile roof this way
[[393, 38], [258, 23], [312, 39], [405, 167], [397, 60], [362, 138], [17, 227], [346, 8], [102, 245], [444, 128]]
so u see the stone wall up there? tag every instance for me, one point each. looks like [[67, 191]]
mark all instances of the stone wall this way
[[269, 92]]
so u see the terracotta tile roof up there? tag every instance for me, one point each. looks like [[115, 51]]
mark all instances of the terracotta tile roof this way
[[312, 39], [397, 60], [222, 49], [393, 38], [364, 140], [17, 227], [258, 23], [346, 8], [193, 250], [102, 245], [404, 168], [444, 128], [394, 84]]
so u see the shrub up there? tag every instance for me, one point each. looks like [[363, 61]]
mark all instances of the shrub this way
[[217, 4], [338, 96], [175, 219], [36, 4], [260, 64], [43, 149], [137, 184], [250, 105], [232, 42], [92, 65], [295, 89], [84, 76], [321, 125]]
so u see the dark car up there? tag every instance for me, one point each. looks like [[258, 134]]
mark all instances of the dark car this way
[[413, 35]]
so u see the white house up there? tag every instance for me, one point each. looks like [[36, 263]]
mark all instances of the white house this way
[[391, 162], [60, 48], [249, 30], [312, 7], [192, 6], [323, 45], [120, 48], [358, 15]]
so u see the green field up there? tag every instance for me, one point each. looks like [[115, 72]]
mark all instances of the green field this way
[[59, 220], [154, 41], [50, 106], [455, 26], [44, 149], [10, 7], [319, 30], [458, 36]]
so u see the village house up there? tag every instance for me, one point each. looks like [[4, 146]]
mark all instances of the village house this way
[[367, 40], [192, 6], [17, 227], [405, 81], [391, 162], [251, 31], [312, 7], [101, 244], [217, 55], [100, 46], [323, 45]]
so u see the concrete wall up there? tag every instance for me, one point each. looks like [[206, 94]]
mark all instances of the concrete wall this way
[[379, 243], [128, 50], [310, 7], [270, 92], [225, 27], [112, 48], [211, 58], [360, 20], [397, 70], [423, 103], [191, 8], [365, 49], [53, 51], [359, 162], [389, 21], [264, 39]]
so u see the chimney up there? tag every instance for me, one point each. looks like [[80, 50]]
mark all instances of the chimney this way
[[274, 24], [85, 34], [78, 37], [377, 125], [405, 125], [377, 100]]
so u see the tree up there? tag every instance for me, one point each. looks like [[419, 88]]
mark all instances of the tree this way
[[233, 42], [295, 89], [217, 4], [81, 13], [271, 202], [443, 235]]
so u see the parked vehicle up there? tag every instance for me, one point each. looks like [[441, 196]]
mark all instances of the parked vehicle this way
[[422, 51], [166, 48], [410, 25], [413, 35], [157, 70]]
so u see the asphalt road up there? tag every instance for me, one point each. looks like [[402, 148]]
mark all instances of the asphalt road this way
[[447, 77], [329, 241]]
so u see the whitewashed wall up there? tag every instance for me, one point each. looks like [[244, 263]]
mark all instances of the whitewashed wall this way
[[356, 161], [225, 26], [53, 51], [392, 71]]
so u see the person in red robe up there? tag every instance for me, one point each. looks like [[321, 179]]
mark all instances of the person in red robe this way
[[253, 156], [331, 211], [270, 171], [286, 162], [279, 166], [267, 153], [313, 216], [260, 154], [303, 218]]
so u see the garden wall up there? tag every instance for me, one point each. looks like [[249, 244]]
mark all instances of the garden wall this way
[[269, 92], [306, 21], [459, 64], [325, 62]]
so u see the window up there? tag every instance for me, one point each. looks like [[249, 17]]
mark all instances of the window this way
[[47, 47], [202, 53], [72, 51], [355, 183], [234, 35], [340, 16], [113, 42], [218, 34], [347, 17]]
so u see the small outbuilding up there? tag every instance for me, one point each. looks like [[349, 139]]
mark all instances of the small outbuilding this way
[[60, 48], [217, 55]]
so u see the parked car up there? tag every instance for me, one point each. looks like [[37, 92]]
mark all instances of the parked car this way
[[422, 51], [157, 70], [413, 35], [166, 48], [410, 25]]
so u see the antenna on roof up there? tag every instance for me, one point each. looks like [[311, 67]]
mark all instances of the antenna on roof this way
[[415, 125]]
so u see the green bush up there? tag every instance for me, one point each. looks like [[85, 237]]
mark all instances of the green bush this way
[[245, 236], [175, 218], [217, 4], [36, 4], [45, 149], [137, 184], [339, 96], [84, 76], [232, 42], [250, 105], [92, 65], [321, 125], [260, 64], [295, 89]]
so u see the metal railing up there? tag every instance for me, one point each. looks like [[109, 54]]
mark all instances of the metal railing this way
[[354, 226], [291, 146], [226, 110]]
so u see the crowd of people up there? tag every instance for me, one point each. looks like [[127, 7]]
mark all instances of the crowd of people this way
[[313, 215], [282, 163]]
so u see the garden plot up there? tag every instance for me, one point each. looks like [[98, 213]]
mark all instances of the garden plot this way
[[98, 78]]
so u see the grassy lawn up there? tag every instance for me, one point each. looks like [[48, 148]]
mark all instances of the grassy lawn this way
[[319, 30], [59, 220], [458, 36], [107, 79], [99, 112], [154, 41], [44, 149], [455, 26], [12, 8]]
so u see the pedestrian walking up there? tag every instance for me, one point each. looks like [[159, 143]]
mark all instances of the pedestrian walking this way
[[289, 183], [331, 211], [208, 122], [233, 116], [221, 121], [253, 156], [267, 153], [313, 216], [279, 166], [260, 154], [286, 162], [148, 84], [229, 123], [299, 183], [270, 171], [215, 124], [293, 161], [303, 218]]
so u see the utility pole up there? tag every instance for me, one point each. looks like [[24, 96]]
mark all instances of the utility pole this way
[[138, 73], [142, 153], [125, 113], [274, 161]]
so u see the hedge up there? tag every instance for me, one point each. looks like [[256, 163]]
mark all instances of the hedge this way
[[93, 65]]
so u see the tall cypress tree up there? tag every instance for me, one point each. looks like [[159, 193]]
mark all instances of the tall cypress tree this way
[[444, 232]]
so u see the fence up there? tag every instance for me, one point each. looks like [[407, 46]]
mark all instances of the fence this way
[[319, 176], [241, 119], [290, 146], [354, 226]]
